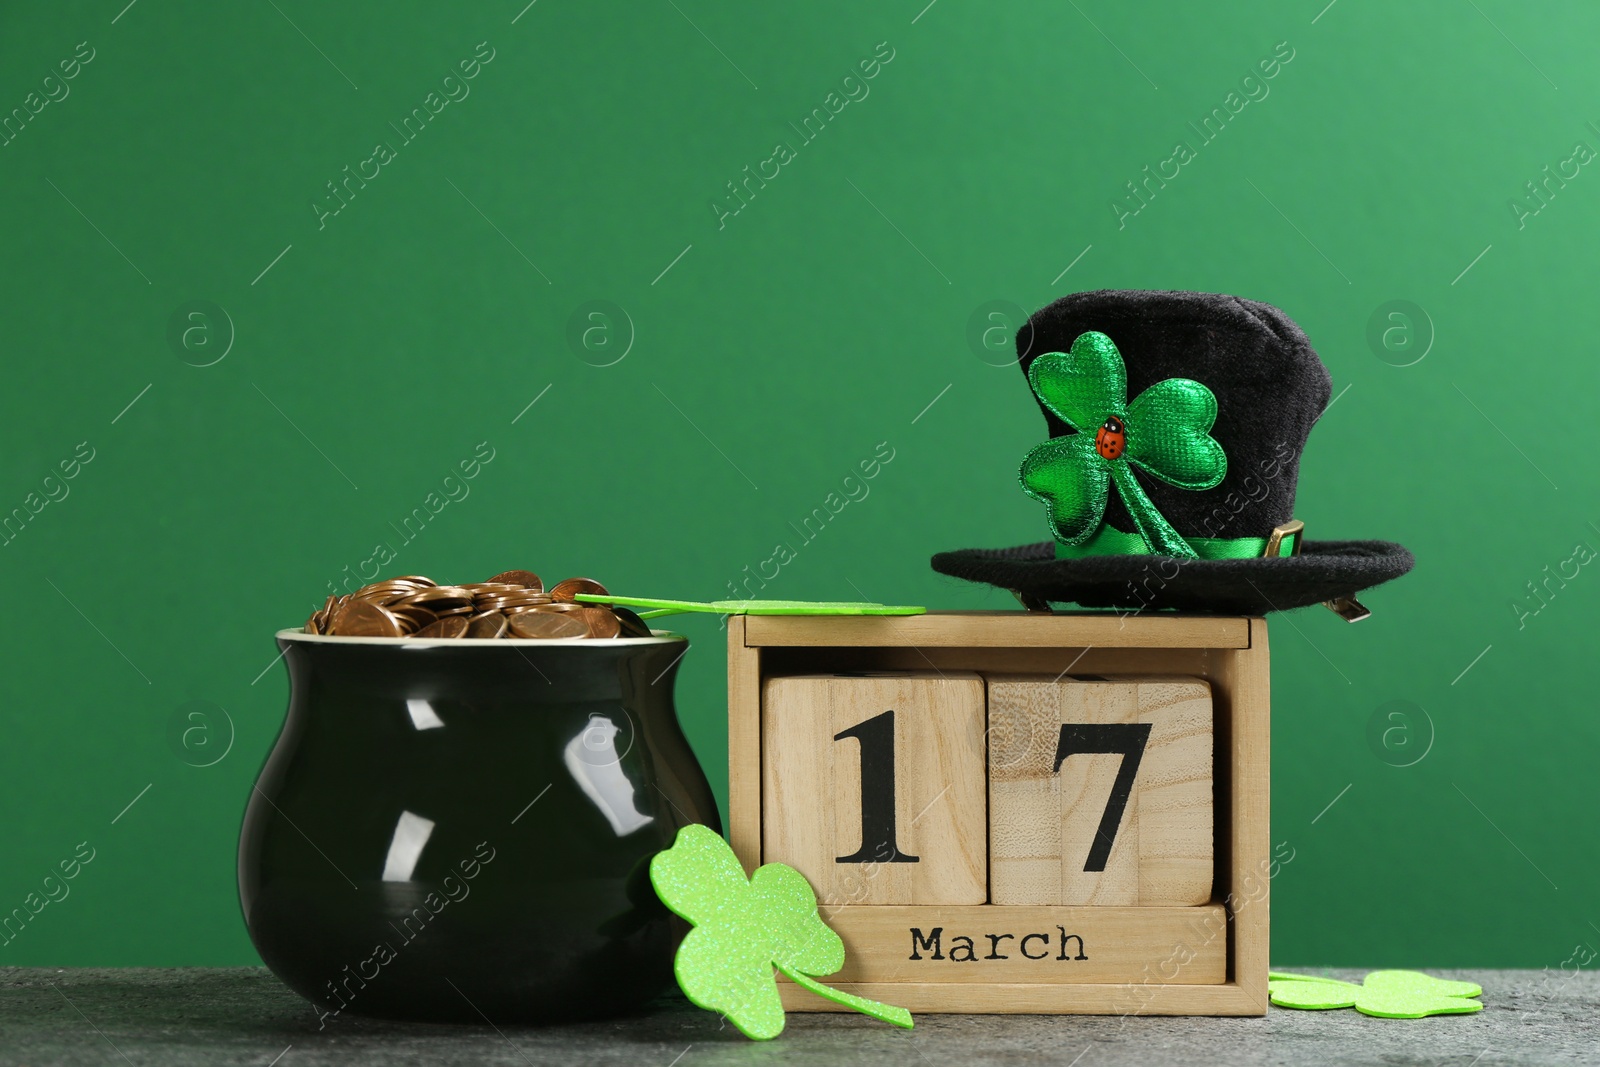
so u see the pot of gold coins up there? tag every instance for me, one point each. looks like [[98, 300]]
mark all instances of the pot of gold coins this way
[[457, 820]]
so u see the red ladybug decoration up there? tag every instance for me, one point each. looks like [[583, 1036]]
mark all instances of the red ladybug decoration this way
[[1111, 438]]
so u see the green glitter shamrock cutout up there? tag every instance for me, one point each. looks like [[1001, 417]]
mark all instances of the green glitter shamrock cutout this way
[[1165, 432], [1385, 994], [743, 928]]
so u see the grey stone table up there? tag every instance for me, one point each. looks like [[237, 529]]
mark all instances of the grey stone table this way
[[244, 1016]]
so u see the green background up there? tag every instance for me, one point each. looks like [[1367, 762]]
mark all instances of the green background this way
[[769, 356]]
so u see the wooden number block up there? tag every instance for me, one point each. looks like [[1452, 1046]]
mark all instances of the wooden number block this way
[[873, 785], [1100, 790]]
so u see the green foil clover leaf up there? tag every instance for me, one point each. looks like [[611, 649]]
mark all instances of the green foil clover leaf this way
[[1385, 994], [743, 928], [1166, 432]]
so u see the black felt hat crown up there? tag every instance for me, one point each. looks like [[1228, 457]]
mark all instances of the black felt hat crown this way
[[1176, 424]]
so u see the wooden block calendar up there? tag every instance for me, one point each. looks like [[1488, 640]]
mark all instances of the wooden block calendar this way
[[1012, 811]]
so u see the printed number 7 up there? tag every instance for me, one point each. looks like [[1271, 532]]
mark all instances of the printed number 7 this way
[[1126, 738]]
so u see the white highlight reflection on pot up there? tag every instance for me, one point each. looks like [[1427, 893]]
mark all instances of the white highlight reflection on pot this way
[[592, 760], [423, 717], [411, 833]]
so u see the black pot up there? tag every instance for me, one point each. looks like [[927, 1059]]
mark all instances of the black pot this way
[[456, 830]]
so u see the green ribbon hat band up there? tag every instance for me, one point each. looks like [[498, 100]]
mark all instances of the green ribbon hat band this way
[[1110, 541]]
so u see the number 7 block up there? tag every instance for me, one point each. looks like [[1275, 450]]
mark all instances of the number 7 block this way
[[873, 785], [1100, 790]]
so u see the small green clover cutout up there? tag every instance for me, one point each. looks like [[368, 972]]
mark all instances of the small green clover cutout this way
[[1385, 994], [743, 928], [1165, 432]]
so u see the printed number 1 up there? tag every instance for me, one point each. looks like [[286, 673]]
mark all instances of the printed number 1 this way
[[878, 844], [1127, 738]]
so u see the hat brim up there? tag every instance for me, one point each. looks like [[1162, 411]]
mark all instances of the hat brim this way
[[1322, 571]]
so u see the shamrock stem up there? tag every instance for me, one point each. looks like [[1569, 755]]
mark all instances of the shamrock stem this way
[[886, 1012], [1158, 534]]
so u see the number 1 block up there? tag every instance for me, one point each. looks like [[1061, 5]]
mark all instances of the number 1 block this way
[[873, 785], [1100, 790]]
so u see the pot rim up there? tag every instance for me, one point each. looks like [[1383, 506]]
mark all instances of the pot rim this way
[[661, 637]]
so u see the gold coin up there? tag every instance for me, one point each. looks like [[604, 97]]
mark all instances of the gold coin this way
[[436, 593], [362, 618], [333, 612], [455, 626], [565, 590], [484, 594], [526, 579], [387, 592], [559, 607], [412, 617], [318, 623], [384, 586], [632, 625], [489, 624], [440, 599], [525, 598], [546, 625], [600, 621]]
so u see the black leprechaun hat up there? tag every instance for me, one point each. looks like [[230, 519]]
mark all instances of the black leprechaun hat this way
[[1176, 425]]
